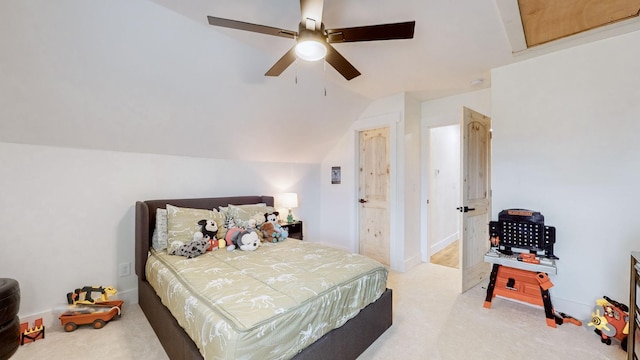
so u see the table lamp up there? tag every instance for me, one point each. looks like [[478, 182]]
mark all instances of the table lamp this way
[[289, 201]]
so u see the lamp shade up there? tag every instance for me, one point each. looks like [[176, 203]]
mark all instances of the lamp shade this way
[[289, 200]]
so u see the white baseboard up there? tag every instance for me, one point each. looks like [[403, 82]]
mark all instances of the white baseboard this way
[[412, 262], [439, 245], [579, 311], [576, 310]]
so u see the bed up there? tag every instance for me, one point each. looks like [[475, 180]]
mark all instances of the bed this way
[[347, 341]]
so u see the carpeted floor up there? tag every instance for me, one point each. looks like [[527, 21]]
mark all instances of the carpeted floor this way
[[431, 321]]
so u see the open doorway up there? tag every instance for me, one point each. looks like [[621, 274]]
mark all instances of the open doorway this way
[[444, 195]]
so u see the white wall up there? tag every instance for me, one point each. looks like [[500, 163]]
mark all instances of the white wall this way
[[565, 143], [339, 202], [444, 186], [448, 110], [67, 215]]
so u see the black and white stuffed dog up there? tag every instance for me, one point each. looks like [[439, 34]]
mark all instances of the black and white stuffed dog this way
[[191, 249]]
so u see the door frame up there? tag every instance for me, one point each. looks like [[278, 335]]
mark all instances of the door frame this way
[[396, 232]]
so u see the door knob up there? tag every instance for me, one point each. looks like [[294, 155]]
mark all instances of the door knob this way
[[362, 201], [465, 209]]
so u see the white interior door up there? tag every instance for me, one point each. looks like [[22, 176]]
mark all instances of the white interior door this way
[[475, 210], [373, 192]]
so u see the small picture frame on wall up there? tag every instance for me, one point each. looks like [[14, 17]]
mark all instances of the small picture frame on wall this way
[[335, 174]]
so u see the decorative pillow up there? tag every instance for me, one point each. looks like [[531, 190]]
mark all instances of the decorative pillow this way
[[182, 223], [159, 237], [225, 209], [240, 215]]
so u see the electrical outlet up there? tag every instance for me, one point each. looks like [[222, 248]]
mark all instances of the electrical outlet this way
[[124, 269]]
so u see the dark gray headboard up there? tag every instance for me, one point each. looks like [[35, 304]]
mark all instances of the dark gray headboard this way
[[146, 218]]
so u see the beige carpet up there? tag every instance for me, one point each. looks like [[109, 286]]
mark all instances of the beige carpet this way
[[431, 321]]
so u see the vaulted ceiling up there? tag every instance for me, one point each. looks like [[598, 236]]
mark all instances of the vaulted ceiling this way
[[153, 76], [455, 42]]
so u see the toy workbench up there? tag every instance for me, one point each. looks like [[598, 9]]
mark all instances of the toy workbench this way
[[522, 257]]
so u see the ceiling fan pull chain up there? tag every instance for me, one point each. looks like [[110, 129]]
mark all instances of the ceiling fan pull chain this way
[[324, 77]]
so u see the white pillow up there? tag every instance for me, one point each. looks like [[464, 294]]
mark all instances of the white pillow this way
[[159, 237], [241, 214], [182, 223]]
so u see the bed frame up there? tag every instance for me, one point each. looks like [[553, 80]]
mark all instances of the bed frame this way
[[346, 342]]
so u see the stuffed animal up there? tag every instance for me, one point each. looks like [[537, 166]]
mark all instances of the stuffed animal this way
[[271, 230], [251, 226], [209, 228], [190, 249], [243, 239], [203, 241], [208, 231]]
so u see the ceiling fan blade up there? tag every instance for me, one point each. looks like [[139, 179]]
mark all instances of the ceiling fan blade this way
[[311, 9], [240, 25], [393, 31], [341, 64], [284, 62]]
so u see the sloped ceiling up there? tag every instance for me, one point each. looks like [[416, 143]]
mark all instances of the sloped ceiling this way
[[455, 42], [152, 76]]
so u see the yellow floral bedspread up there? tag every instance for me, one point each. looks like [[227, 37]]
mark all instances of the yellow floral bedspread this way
[[265, 304]]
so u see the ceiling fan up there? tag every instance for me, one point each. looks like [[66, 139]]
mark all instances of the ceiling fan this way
[[313, 41]]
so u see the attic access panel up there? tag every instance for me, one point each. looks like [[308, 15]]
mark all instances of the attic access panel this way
[[548, 20]]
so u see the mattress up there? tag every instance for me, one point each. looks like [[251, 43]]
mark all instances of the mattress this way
[[265, 304]]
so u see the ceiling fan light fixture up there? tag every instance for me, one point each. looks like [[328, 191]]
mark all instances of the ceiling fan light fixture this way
[[311, 50], [310, 46]]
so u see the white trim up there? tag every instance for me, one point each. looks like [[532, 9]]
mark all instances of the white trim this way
[[440, 245], [510, 14], [424, 194], [412, 261]]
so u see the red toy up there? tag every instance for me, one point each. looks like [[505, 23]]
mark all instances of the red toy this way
[[610, 319], [28, 334]]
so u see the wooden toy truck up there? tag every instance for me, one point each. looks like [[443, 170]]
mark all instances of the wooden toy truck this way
[[98, 314]]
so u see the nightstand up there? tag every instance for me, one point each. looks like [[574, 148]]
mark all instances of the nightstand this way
[[294, 229]]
